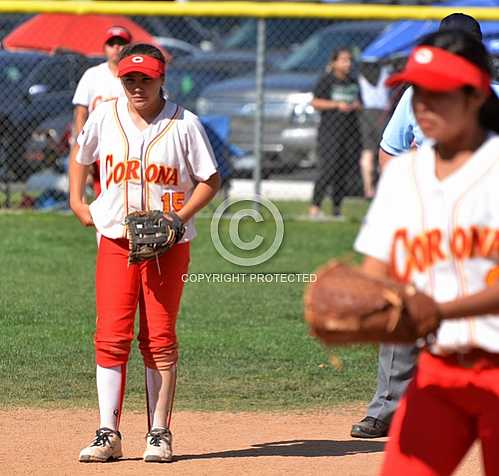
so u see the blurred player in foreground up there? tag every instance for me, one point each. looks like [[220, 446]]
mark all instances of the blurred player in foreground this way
[[396, 363], [435, 222], [154, 155]]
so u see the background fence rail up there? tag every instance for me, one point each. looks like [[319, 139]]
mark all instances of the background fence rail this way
[[248, 69]]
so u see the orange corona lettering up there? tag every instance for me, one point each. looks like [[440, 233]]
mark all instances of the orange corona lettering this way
[[400, 239], [132, 170], [152, 172], [172, 178], [480, 240], [419, 253], [158, 174], [109, 169], [119, 172], [161, 178], [434, 246], [460, 244], [425, 250], [161, 175]]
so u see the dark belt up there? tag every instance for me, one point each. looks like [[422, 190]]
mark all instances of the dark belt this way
[[474, 358]]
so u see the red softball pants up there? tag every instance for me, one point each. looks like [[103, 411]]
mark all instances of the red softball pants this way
[[447, 407], [157, 290]]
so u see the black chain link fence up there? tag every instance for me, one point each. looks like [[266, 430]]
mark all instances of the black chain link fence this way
[[330, 153]]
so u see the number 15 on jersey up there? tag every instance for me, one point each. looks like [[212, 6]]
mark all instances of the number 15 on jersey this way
[[172, 201]]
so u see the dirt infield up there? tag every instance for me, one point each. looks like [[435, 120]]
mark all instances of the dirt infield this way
[[47, 442]]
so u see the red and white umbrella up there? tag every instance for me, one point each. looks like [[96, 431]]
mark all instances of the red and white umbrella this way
[[83, 34]]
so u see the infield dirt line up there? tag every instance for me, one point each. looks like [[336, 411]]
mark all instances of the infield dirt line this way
[[47, 442]]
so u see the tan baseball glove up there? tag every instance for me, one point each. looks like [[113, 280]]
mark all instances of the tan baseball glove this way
[[345, 305]]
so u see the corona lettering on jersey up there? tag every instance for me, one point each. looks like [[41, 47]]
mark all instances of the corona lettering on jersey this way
[[129, 171], [423, 251]]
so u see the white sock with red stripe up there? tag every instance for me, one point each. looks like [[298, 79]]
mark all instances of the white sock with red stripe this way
[[110, 390]]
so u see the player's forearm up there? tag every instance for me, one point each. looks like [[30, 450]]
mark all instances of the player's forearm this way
[[356, 106], [478, 304], [324, 104], [202, 195], [78, 174], [80, 117], [77, 182]]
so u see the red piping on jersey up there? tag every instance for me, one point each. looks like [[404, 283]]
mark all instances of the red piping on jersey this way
[[151, 144], [459, 264], [430, 269], [127, 151]]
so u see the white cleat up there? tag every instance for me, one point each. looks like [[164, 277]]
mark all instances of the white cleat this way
[[106, 446], [159, 446]]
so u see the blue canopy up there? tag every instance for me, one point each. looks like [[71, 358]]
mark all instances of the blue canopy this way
[[400, 37]]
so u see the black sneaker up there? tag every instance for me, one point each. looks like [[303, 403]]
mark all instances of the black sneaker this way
[[370, 427], [337, 215]]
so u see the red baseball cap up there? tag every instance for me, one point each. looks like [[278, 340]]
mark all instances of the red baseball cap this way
[[141, 64], [439, 70], [118, 32]]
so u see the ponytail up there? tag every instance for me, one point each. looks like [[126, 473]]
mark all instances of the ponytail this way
[[489, 113]]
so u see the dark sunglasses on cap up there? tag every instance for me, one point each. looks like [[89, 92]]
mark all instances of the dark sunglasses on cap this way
[[116, 40]]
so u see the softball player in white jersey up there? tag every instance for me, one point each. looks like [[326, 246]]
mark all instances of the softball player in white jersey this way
[[396, 363], [153, 155], [435, 222]]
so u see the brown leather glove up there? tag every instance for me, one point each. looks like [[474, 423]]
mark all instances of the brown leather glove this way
[[344, 305]]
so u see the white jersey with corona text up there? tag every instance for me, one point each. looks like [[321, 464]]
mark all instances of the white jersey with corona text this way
[[153, 169], [98, 84], [441, 235]]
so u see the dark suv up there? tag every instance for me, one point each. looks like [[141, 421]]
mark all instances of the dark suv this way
[[236, 55], [35, 86], [290, 122]]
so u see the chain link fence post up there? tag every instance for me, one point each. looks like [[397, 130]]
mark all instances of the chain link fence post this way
[[259, 105]]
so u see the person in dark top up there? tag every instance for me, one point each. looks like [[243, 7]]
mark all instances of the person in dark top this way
[[337, 97]]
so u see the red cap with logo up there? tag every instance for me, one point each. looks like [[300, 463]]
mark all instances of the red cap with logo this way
[[144, 64], [439, 70], [118, 32]]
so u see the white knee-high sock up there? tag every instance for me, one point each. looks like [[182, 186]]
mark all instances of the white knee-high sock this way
[[160, 393], [110, 390]]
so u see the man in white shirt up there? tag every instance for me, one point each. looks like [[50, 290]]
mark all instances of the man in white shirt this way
[[100, 83], [375, 102]]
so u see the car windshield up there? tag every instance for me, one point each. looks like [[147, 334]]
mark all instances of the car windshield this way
[[279, 33], [314, 54], [14, 69]]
